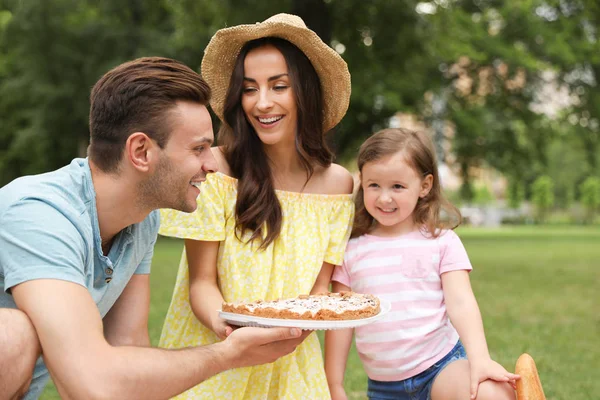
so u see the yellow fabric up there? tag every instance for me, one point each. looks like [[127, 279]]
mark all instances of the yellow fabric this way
[[315, 229]]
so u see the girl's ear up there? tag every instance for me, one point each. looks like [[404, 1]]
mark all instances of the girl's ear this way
[[426, 186]]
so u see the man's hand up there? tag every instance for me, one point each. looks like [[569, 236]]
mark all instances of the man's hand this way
[[81, 361], [255, 346]]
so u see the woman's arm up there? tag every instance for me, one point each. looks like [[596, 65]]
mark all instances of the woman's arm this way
[[337, 347], [322, 283], [205, 296]]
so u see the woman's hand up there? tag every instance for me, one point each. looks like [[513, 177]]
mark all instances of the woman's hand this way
[[337, 392], [221, 328], [487, 368]]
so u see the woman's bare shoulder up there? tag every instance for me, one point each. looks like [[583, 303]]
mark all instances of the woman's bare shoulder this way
[[336, 179], [221, 161]]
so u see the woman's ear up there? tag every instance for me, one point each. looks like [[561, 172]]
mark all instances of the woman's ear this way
[[426, 186]]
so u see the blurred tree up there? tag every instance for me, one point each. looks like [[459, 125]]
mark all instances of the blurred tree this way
[[543, 196], [385, 45], [482, 195], [570, 43], [590, 196], [492, 78], [516, 193], [472, 69], [53, 52], [568, 168]]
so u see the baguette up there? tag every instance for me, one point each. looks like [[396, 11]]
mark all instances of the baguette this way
[[529, 387]]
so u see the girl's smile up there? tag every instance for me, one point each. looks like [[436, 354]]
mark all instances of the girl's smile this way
[[392, 189]]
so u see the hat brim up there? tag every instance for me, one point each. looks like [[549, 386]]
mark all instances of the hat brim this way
[[223, 49]]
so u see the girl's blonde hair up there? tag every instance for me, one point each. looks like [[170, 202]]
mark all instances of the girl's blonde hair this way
[[433, 212]]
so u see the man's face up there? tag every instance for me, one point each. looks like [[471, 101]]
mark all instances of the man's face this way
[[185, 160]]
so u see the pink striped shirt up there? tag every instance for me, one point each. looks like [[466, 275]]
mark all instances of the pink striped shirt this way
[[406, 271]]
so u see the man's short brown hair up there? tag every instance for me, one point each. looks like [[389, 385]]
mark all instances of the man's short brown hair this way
[[137, 96]]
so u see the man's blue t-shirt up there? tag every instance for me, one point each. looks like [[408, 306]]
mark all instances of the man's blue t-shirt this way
[[49, 230]]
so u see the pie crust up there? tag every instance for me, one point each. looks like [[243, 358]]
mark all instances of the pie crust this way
[[319, 307]]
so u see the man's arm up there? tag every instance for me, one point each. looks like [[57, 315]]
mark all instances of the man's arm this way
[[126, 324], [84, 365]]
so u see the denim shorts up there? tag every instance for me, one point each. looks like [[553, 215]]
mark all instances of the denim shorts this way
[[417, 387]]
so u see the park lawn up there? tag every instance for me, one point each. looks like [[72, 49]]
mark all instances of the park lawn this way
[[537, 288]]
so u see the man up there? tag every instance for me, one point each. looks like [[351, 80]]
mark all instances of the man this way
[[76, 246]]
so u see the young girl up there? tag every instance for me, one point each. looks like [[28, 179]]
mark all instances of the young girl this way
[[403, 252], [277, 217]]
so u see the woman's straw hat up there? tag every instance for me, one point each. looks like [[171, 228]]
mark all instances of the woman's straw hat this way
[[222, 51]]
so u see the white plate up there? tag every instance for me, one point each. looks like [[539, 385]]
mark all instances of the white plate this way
[[261, 322]]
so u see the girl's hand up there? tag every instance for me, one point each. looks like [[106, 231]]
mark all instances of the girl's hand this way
[[337, 392], [482, 370]]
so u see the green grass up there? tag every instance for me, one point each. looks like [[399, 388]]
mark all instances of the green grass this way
[[537, 288]]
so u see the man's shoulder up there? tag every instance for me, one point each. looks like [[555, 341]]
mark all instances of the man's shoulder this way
[[145, 232], [151, 223], [53, 199], [62, 188]]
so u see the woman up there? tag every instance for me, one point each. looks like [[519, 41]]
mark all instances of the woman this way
[[275, 220]]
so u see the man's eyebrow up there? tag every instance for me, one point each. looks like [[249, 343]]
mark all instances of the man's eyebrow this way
[[273, 78], [204, 140]]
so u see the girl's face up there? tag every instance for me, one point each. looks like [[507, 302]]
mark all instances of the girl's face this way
[[391, 191], [268, 98]]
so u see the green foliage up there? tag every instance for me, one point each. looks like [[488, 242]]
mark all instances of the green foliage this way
[[543, 196], [590, 196], [569, 197], [63, 47], [515, 193], [483, 196], [466, 191], [485, 62]]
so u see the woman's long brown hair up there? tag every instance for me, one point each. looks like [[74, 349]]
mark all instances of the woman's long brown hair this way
[[432, 212], [257, 208]]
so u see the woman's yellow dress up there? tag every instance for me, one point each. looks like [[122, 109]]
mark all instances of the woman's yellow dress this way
[[315, 229]]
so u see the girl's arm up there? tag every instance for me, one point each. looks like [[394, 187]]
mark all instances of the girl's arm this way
[[465, 316], [337, 347], [322, 283], [464, 313], [205, 296]]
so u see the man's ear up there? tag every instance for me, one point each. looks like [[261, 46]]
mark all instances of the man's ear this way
[[426, 185], [140, 151]]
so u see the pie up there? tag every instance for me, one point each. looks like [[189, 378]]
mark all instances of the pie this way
[[318, 307]]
